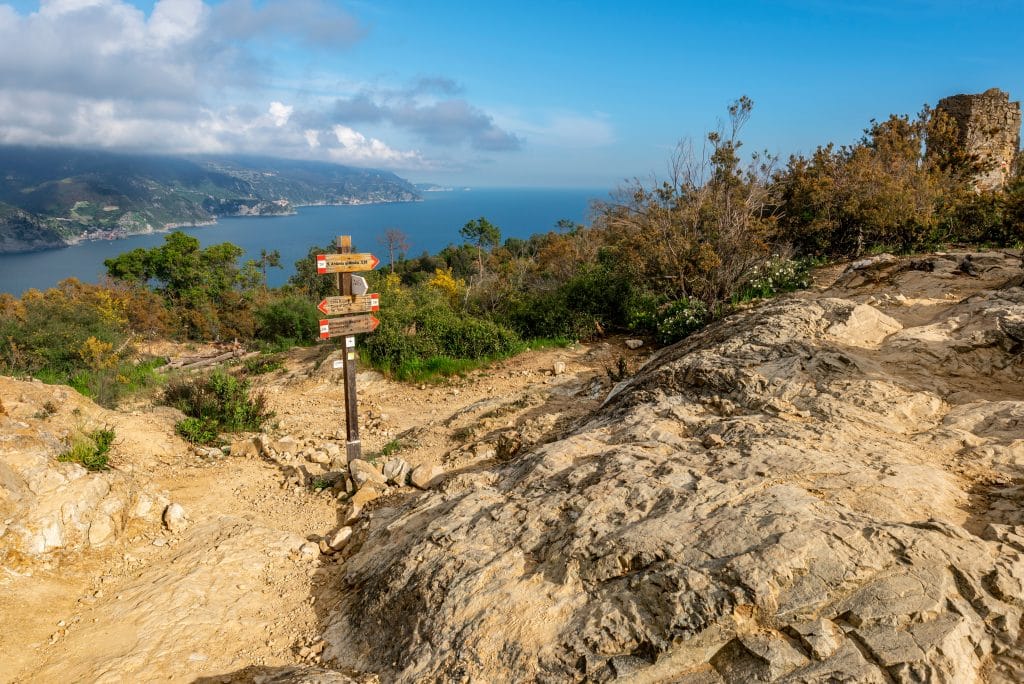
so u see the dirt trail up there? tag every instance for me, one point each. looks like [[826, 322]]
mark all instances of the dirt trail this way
[[230, 590]]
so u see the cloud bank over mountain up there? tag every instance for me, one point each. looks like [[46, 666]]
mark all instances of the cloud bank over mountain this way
[[196, 77]]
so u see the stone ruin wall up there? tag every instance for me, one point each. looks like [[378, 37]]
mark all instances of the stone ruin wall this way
[[989, 127]]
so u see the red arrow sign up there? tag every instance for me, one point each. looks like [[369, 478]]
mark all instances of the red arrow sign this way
[[349, 305], [351, 325], [345, 263]]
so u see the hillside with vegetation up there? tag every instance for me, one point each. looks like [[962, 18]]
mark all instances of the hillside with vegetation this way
[[62, 196], [758, 421]]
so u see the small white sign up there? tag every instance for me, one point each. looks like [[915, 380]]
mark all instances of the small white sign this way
[[350, 341], [338, 363], [359, 286]]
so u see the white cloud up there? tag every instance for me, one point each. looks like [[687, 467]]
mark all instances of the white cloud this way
[[176, 21], [356, 147], [193, 76], [280, 113]]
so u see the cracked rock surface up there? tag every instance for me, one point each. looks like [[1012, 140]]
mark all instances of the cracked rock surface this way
[[858, 514]]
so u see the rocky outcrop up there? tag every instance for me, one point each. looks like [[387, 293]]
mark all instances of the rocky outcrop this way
[[50, 509], [988, 127], [823, 488], [21, 231]]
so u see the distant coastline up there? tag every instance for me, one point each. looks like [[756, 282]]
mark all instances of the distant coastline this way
[[430, 224], [111, 235]]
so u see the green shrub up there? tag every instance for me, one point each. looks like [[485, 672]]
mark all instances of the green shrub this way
[[392, 448], [681, 318], [292, 318], [775, 276], [221, 403], [197, 430], [258, 365], [427, 337], [91, 450]]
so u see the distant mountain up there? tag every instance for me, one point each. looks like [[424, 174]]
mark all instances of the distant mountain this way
[[51, 197]]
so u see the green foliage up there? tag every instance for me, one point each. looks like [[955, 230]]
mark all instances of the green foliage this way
[[259, 365], [680, 319], [198, 430], [218, 403], [80, 335], [306, 280], [291, 319], [484, 235], [91, 450], [421, 333], [392, 448], [907, 185], [204, 286], [775, 276], [481, 232]]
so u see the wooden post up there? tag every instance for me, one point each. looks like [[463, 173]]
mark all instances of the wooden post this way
[[353, 447]]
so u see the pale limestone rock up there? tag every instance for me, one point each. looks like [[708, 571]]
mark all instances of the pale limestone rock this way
[[339, 538], [426, 476], [248, 447], [101, 530], [319, 457], [396, 471], [175, 518], [362, 472], [825, 542]]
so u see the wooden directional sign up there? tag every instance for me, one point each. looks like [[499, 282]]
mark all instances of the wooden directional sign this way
[[349, 305], [345, 263], [339, 327]]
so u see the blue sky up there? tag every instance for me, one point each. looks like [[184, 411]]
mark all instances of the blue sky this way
[[573, 94]]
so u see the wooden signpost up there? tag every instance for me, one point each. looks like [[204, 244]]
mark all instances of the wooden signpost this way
[[344, 264], [339, 327], [332, 306]]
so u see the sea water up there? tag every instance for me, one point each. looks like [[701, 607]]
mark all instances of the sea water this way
[[430, 226]]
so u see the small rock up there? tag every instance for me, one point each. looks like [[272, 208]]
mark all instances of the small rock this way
[[362, 472], [309, 550], [286, 444], [397, 471], [101, 530], [427, 476], [558, 368], [360, 499], [245, 448], [483, 451], [634, 344], [712, 441], [174, 517], [319, 457], [265, 446], [325, 548], [338, 540]]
